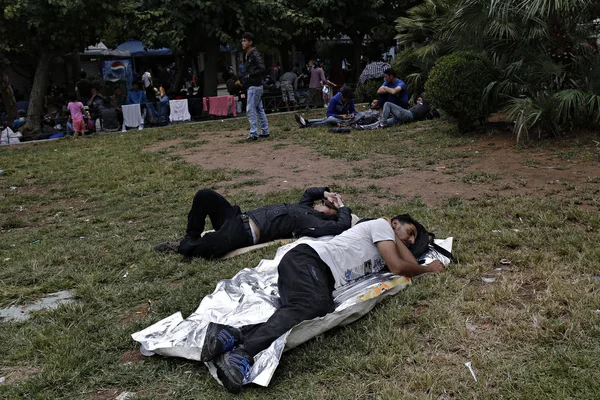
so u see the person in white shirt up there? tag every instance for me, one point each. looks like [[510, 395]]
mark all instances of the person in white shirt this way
[[308, 274], [147, 78]]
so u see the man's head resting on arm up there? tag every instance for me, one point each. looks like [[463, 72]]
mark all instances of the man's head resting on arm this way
[[411, 233]]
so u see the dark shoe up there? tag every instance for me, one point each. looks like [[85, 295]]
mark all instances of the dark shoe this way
[[300, 119], [233, 367], [219, 339], [264, 136], [250, 138], [168, 247]]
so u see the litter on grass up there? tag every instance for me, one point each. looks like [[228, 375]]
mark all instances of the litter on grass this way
[[468, 364], [488, 280], [23, 313]]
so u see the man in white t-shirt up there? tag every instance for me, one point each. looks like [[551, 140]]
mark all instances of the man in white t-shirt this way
[[147, 78], [308, 274]]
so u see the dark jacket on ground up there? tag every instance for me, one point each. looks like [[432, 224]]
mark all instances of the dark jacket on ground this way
[[286, 220], [254, 69]]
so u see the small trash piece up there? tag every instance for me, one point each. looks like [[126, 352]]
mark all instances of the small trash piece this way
[[505, 261], [488, 280], [13, 188], [597, 278], [470, 326], [441, 167], [468, 364], [36, 242], [598, 312], [126, 274], [498, 269], [126, 396], [2, 379], [7, 259], [497, 231]]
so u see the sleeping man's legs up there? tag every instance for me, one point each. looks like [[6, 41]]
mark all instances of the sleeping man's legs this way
[[305, 289], [392, 115], [232, 229]]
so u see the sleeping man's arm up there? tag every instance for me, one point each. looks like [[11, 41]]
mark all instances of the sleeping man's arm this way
[[400, 260]]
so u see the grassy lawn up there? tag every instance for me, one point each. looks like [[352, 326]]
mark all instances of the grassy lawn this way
[[86, 214]]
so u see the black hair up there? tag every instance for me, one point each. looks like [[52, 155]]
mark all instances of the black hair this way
[[72, 96], [390, 71], [347, 92], [83, 74], [248, 36]]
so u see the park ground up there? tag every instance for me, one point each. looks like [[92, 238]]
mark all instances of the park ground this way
[[84, 215]]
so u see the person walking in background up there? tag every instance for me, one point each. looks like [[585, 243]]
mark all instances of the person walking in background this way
[[254, 71]]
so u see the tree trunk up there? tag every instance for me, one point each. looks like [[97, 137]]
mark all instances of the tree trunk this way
[[36, 98], [182, 62], [8, 96], [357, 39], [211, 60]]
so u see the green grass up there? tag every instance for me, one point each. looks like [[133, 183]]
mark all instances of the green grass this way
[[85, 212]]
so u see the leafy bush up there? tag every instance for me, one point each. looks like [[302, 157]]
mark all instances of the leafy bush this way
[[456, 84], [366, 92]]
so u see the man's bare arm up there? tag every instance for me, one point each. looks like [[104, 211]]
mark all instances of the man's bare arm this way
[[404, 266]]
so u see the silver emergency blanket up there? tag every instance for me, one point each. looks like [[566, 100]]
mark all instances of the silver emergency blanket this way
[[251, 297]]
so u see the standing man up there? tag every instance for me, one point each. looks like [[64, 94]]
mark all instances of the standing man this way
[[147, 78], [254, 71], [317, 81], [392, 90]]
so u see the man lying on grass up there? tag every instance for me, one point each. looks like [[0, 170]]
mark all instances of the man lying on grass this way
[[234, 229], [308, 274], [395, 115]]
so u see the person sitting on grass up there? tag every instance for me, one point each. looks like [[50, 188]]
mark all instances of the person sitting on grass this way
[[396, 115], [308, 274], [365, 117], [234, 229], [340, 110], [393, 90]]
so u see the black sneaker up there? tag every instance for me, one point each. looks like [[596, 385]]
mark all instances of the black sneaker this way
[[300, 119], [233, 367], [249, 138], [219, 339], [168, 247], [264, 135]]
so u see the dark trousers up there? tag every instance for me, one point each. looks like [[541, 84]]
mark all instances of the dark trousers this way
[[384, 98], [305, 285], [232, 229], [316, 97]]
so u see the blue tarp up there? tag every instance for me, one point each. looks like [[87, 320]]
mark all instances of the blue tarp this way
[[136, 48]]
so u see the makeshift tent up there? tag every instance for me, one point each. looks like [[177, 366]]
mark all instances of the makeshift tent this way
[[136, 49], [100, 49]]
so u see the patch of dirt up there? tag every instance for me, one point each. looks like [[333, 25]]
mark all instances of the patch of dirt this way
[[105, 394], [132, 356], [18, 374], [497, 167], [140, 312]]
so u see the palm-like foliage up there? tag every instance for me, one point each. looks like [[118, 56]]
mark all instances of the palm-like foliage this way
[[550, 77]]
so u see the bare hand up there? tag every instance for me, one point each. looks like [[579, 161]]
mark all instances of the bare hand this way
[[337, 200], [435, 266]]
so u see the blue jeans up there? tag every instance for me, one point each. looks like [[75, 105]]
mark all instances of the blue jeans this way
[[398, 114], [254, 109], [333, 121], [385, 98]]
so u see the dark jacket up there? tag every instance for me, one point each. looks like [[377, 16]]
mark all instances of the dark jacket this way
[[254, 69], [286, 220]]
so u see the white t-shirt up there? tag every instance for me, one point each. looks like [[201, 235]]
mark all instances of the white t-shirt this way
[[146, 79], [353, 253]]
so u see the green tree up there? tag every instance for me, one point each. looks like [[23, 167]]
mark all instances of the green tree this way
[[50, 28], [192, 26], [356, 19]]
